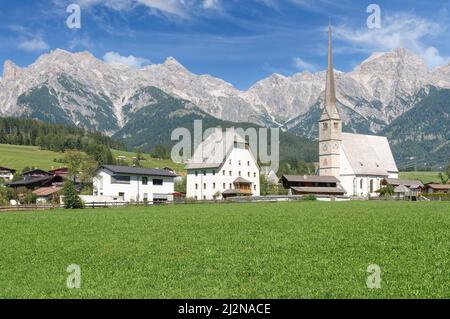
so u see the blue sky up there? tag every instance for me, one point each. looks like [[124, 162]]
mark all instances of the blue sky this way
[[241, 41]]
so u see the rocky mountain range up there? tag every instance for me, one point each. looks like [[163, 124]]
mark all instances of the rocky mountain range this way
[[78, 89]]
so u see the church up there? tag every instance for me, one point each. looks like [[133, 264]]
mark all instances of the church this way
[[359, 162]]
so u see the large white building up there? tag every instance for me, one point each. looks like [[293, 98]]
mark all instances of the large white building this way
[[223, 166], [128, 184], [360, 162]]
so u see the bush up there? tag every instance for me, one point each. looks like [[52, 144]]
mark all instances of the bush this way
[[71, 198], [310, 197]]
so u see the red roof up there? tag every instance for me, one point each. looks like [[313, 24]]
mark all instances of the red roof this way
[[47, 191]]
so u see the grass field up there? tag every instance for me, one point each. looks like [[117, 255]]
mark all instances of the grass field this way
[[17, 157], [425, 177], [284, 250]]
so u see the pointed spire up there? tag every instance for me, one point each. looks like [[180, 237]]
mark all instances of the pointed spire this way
[[330, 92]]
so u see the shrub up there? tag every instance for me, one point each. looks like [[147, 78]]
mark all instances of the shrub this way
[[71, 198], [310, 197]]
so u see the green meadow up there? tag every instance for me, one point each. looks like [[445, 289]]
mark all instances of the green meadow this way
[[279, 250], [19, 156]]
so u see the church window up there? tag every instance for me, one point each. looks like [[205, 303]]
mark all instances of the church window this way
[[361, 183], [336, 125], [371, 185], [325, 126]]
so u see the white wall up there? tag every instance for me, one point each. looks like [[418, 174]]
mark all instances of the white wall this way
[[104, 187], [6, 176], [351, 182], [237, 155]]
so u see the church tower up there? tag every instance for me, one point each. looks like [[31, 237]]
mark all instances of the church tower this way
[[330, 124]]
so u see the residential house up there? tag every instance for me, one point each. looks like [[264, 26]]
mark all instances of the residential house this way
[[134, 183], [7, 174], [48, 194], [33, 183], [316, 185], [223, 166], [434, 188], [414, 187]]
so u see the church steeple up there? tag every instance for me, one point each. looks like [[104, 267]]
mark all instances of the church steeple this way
[[330, 124], [330, 110]]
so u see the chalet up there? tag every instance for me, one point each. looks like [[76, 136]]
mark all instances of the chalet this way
[[316, 185], [404, 187], [134, 183], [433, 188], [33, 183], [7, 174], [223, 166], [36, 173], [48, 194], [63, 172]]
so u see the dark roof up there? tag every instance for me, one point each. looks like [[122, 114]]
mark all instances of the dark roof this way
[[310, 178], [38, 171], [137, 171], [241, 180], [319, 190], [7, 169], [31, 181]]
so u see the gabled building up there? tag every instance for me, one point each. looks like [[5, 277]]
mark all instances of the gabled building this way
[[33, 183], [7, 174], [134, 183], [223, 166], [434, 188], [359, 162], [316, 185], [36, 173]]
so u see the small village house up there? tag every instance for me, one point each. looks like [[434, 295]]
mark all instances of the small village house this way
[[137, 184], [223, 166], [48, 194], [434, 188], [316, 185], [6, 174]]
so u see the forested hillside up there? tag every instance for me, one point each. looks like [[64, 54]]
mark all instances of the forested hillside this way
[[58, 138]]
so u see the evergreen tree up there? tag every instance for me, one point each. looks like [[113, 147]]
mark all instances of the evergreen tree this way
[[71, 198]]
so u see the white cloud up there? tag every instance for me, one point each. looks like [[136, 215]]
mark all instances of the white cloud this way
[[211, 4], [35, 44], [302, 65], [132, 61], [400, 30], [172, 7]]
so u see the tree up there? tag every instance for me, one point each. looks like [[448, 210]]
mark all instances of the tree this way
[[5, 196], [447, 171], [387, 190], [181, 187], [80, 165], [444, 178], [71, 198]]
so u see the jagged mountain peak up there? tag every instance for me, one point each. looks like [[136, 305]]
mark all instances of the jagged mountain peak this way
[[10, 70]]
